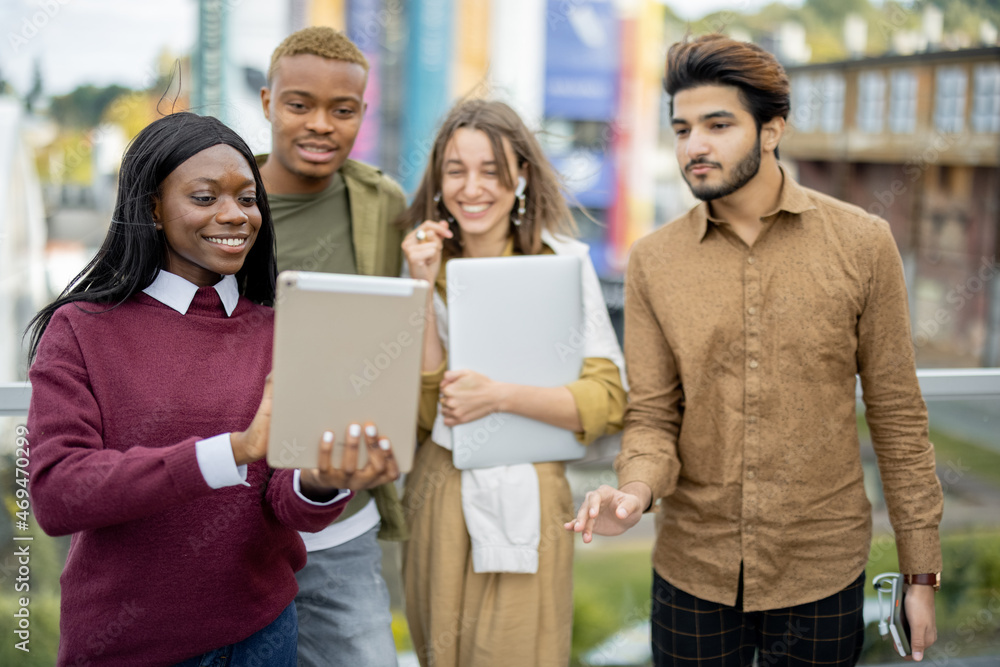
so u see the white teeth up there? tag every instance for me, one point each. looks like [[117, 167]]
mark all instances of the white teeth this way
[[229, 242], [478, 208], [310, 149]]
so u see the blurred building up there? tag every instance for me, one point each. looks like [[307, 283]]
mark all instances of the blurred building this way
[[915, 139], [22, 239]]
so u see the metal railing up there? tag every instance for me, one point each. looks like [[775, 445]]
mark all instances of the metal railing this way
[[936, 384]]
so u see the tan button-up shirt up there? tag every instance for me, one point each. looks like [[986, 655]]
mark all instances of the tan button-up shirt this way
[[742, 364]]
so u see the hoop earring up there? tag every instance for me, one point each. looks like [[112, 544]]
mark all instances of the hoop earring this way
[[521, 199]]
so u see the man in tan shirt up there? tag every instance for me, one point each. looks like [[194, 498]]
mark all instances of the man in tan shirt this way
[[746, 321]]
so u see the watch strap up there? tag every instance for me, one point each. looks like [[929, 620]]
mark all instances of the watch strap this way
[[933, 579]]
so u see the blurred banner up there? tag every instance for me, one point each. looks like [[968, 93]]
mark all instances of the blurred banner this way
[[637, 127], [427, 83], [327, 12], [209, 60], [365, 28], [582, 60], [472, 46], [589, 175], [517, 57]]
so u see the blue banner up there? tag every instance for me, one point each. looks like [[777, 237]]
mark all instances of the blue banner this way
[[589, 175], [427, 94], [582, 60]]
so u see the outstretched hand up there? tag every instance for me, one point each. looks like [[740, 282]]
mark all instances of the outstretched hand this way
[[610, 511]]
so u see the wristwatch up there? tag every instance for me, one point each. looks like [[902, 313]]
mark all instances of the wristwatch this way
[[933, 579]]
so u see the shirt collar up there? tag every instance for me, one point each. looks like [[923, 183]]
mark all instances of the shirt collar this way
[[793, 199], [178, 293]]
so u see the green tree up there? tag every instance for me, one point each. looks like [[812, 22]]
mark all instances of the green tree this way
[[836, 10], [83, 108]]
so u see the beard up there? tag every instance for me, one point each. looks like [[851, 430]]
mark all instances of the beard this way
[[744, 170]]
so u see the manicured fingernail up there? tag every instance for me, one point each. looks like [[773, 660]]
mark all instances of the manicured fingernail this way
[[327, 436], [370, 431], [354, 430], [383, 443]]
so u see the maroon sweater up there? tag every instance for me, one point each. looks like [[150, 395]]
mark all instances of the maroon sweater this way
[[160, 567]]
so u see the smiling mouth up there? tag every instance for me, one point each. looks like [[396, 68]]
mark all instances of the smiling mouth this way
[[321, 152], [232, 243], [475, 208]]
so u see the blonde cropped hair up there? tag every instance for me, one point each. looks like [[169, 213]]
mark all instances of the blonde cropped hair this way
[[319, 41]]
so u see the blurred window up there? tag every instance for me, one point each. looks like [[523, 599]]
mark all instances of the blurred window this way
[[903, 102], [949, 99], [831, 112], [806, 102], [871, 102], [986, 100]]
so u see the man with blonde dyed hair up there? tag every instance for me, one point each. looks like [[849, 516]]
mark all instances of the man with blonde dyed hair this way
[[335, 215], [746, 322]]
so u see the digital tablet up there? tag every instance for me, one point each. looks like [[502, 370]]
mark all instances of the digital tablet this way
[[519, 320], [347, 349]]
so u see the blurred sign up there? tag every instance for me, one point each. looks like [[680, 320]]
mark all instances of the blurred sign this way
[[589, 175], [582, 60], [210, 58], [427, 83], [365, 26]]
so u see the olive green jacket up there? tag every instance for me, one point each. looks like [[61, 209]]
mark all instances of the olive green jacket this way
[[375, 202]]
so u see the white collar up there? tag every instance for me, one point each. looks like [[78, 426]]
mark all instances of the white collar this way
[[178, 293]]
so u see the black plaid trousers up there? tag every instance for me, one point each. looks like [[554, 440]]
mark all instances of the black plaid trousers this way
[[691, 632]]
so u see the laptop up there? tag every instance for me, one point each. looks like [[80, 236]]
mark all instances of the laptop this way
[[347, 349], [519, 320]]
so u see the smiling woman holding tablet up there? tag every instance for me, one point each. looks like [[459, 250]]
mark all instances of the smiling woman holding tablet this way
[[148, 427], [503, 587]]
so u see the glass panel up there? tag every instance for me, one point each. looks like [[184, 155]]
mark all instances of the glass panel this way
[[832, 111], [949, 107], [903, 103], [966, 437], [871, 102], [806, 102], [986, 104], [612, 576]]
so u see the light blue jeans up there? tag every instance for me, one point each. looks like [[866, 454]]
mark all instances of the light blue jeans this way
[[273, 646], [343, 606]]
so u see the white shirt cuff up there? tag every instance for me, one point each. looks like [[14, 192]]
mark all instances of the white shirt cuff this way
[[217, 464], [297, 486]]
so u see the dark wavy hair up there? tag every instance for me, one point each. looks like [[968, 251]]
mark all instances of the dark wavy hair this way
[[718, 60], [133, 252]]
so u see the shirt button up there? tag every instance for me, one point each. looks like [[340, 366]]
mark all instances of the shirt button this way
[[748, 529], [751, 474], [752, 419], [752, 310], [751, 260], [753, 363]]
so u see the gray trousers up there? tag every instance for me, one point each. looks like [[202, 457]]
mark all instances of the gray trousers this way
[[343, 607]]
